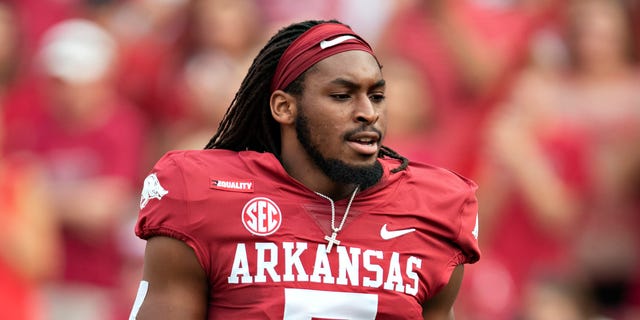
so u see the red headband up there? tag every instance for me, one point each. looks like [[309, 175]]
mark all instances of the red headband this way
[[315, 44]]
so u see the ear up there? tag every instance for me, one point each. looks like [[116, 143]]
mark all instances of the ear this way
[[283, 107]]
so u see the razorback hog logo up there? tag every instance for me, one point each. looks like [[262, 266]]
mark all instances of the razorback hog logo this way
[[261, 216], [151, 190]]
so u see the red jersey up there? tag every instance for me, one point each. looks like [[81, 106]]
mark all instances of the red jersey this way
[[260, 236]]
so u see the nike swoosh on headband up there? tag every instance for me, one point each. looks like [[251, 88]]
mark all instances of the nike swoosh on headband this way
[[330, 43]]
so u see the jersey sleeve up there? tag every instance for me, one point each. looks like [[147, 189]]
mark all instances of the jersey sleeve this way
[[164, 206], [467, 237]]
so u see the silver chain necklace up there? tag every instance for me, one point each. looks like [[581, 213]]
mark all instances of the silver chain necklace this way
[[332, 240]]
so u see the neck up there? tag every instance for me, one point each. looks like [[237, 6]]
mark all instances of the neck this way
[[314, 179], [351, 195]]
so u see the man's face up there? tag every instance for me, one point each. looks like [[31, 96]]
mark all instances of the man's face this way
[[341, 117]]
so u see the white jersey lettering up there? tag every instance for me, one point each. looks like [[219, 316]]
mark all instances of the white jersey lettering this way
[[285, 262], [348, 265], [267, 265], [292, 259], [394, 276], [376, 282], [322, 268], [413, 263], [240, 267]]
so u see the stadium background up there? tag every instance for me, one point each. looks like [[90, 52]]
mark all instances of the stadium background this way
[[536, 100]]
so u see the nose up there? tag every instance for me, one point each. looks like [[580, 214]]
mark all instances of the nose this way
[[366, 112]]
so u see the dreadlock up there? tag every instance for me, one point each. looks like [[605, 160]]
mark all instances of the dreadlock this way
[[248, 124], [388, 152]]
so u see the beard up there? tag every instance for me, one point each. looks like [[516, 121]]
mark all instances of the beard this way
[[336, 170]]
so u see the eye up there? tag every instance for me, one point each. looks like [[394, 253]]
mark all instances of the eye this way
[[377, 97], [341, 96]]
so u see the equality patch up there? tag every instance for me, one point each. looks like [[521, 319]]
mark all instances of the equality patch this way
[[231, 185]]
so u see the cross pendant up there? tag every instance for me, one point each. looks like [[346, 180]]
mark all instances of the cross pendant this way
[[332, 240]]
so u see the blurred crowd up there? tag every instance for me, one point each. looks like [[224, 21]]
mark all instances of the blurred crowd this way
[[536, 100]]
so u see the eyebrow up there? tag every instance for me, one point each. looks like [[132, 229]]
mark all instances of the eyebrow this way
[[352, 85]]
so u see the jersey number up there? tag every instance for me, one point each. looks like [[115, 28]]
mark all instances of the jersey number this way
[[309, 304]]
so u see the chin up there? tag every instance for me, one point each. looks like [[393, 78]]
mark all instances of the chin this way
[[364, 161], [363, 173]]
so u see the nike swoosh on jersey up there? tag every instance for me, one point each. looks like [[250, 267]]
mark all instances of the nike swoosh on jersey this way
[[390, 234]]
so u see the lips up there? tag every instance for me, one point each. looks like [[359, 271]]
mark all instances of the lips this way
[[364, 142]]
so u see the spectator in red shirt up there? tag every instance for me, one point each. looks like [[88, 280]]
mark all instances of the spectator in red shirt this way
[[29, 245], [92, 146], [559, 156], [467, 50]]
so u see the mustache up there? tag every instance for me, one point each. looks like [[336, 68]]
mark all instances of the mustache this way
[[364, 128]]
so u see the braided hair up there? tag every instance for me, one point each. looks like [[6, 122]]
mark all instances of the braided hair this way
[[248, 124]]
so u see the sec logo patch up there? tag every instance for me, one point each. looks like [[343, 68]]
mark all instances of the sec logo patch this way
[[261, 216]]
